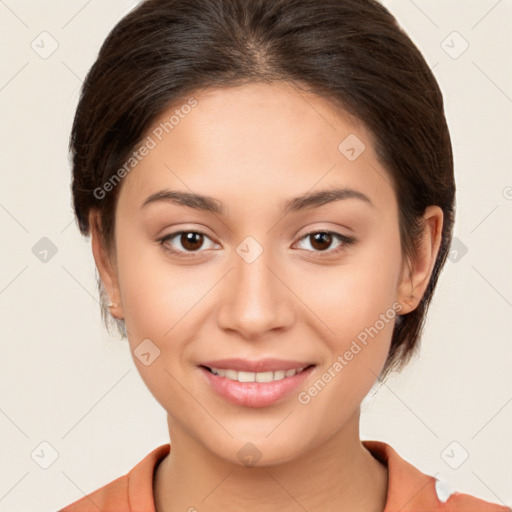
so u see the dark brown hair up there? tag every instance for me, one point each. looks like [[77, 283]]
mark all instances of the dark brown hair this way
[[351, 52]]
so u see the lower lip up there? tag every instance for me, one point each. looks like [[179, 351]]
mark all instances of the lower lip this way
[[255, 394]]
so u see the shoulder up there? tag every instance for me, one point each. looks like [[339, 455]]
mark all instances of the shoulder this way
[[458, 502], [111, 497], [411, 490], [132, 492]]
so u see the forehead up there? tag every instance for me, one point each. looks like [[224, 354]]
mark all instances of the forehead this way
[[270, 139]]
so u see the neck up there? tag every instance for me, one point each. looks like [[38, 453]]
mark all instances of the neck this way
[[339, 475]]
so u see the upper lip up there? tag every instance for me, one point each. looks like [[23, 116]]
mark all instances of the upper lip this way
[[262, 365]]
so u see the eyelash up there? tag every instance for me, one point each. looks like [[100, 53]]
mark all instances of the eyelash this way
[[346, 242]]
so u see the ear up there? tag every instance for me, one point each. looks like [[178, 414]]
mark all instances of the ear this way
[[105, 265], [416, 272]]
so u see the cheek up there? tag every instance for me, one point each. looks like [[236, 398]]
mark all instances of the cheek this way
[[355, 294], [358, 309], [159, 301], [357, 301], [154, 293]]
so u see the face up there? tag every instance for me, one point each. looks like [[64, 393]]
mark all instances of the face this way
[[253, 273]]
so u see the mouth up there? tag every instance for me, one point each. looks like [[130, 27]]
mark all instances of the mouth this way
[[246, 376], [256, 383]]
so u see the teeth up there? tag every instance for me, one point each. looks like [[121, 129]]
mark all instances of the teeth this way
[[255, 377]]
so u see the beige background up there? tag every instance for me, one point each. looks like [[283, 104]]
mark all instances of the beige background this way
[[66, 383]]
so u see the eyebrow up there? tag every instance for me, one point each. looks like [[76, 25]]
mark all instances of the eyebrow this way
[[210, 204]]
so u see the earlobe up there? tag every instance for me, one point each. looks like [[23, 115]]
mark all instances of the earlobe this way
[[417, 270], [106, 268]]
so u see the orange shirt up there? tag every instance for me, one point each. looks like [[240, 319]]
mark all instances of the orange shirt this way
[[409, 490]]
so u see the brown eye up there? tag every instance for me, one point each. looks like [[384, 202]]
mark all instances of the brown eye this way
[[190, 242], [321, 241]]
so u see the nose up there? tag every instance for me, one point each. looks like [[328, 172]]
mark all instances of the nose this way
[[255, 298]]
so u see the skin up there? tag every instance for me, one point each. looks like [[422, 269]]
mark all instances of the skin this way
[[253, 147]]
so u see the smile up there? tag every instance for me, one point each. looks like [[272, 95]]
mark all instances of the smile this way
[[241, 376], [254, 389]]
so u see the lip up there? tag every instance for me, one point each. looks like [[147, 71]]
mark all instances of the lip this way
[[262, 365], [254, 394]]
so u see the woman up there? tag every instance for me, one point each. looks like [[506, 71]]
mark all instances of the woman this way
[[269, 190]]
